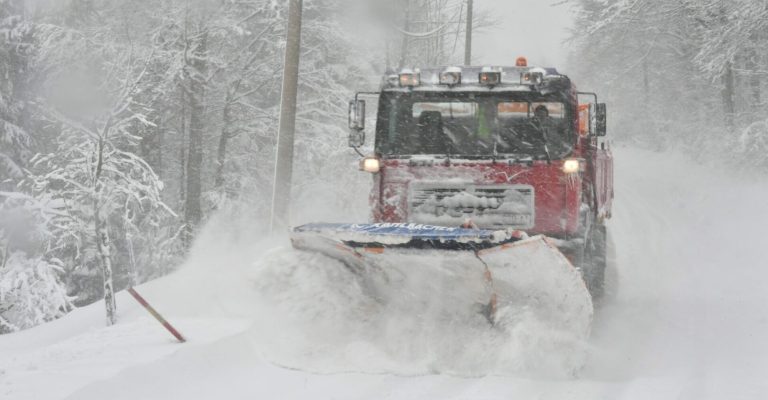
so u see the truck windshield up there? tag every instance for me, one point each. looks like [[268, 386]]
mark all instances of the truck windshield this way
[[519, 125]]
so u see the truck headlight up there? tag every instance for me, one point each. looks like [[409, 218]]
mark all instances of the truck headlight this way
[[571, 166], [370, 164]]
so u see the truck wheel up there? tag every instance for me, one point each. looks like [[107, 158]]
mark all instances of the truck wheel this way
[[594, 273]]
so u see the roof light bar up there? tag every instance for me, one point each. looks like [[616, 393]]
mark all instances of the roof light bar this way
[[451, 76], [521, 62], [409, 78], [533, 77], [489, 77]]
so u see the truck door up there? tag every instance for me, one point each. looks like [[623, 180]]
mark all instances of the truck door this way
[[604, 178], [601, 158]]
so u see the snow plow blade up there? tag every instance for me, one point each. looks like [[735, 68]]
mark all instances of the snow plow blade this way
[[503, 272]]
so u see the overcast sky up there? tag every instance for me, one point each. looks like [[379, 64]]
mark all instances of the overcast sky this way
[[531, 28]]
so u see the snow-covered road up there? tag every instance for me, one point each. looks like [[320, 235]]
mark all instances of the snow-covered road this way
[[689, 318]]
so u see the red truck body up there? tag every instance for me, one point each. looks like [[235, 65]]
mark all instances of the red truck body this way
[[563, 202]]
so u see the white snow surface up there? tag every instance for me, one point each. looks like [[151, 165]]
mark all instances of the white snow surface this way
[[687, 318]]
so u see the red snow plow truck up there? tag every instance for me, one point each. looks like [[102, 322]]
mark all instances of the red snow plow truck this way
[[496, 174]]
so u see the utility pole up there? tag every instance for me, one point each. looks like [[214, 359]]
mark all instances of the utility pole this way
[[406, 28], [281, 190], [468, 38]]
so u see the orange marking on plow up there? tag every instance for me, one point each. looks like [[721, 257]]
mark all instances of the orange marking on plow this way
[[374, 250]]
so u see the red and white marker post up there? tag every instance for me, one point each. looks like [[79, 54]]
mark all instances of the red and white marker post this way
[[157, 315]]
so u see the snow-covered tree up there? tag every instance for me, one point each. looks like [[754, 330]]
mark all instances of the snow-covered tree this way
[[104, 185], [31, 292], [753, 147], [15, 48], [101, 185], [687, 73], [31, 286]]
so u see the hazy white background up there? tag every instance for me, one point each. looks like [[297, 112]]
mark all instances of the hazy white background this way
[[532, 28]]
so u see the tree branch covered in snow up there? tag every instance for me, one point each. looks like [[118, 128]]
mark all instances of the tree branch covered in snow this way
[[689, 73]]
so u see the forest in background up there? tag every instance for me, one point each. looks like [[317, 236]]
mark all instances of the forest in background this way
[[125, 125], [689, 74]]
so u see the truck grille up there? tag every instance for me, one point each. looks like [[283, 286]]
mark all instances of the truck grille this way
[[488, 206]]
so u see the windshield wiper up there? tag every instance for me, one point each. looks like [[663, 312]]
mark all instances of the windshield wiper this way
[[546, 151], [543, 130]]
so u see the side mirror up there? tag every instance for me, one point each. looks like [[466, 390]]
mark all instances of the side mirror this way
[[356, 138], [356, 123], [601, 120]]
